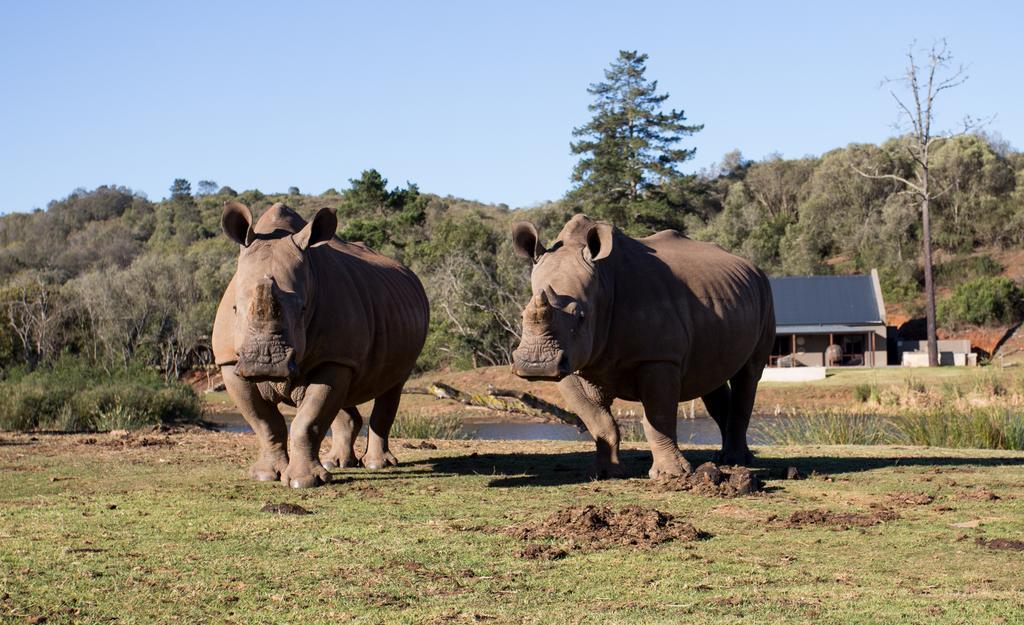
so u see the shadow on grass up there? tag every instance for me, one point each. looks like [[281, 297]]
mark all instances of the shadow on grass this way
[[556, 469], [545, 469], [837, 464]]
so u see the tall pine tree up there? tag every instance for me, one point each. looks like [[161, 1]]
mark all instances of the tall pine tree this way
[[630, 150]]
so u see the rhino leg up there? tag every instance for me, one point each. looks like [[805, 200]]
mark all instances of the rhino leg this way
[[266, 422], [344, 431], [385, 408], [659, 386], [325, 395], [734, 442], [592, 405], [719, 405]]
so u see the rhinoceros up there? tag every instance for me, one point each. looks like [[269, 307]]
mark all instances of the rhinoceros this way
[[314, 322], [658, 320]]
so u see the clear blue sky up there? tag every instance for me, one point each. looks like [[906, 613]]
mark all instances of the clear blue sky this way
[[474, 99]]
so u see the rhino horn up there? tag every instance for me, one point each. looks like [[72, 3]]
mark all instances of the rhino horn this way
[[549, 294]]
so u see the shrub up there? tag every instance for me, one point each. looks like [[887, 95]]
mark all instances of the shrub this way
[[899, 285], [964, 268], [74, 396], [865, 393], [983, 301]]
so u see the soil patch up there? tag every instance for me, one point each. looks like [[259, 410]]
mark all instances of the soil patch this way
[[540, 551], [594, 527], [910, 499], [284, 508], [157, 435], [712, 480], [840, 520], [1002, 543], [981, 493]]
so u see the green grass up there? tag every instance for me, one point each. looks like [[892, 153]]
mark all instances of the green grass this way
[[165, 528], [990, 427], [855, 376], [447, 426], [830, 427]]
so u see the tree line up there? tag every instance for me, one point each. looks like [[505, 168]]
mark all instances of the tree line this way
[[119, 280]]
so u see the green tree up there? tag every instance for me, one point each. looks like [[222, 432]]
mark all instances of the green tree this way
[[180, 188], [630, 148], [385, 220], [206, 187]]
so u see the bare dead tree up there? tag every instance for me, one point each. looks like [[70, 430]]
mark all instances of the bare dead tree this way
[[32, 316], [916, 113], [469, 295]]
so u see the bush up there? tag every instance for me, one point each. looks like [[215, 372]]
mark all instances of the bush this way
[[72, 396], [864, 393], [983, 301], [963, 268]]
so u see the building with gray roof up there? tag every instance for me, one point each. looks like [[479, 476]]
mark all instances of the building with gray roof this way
[[829, 321]]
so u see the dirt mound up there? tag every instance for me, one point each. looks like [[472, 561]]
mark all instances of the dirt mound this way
[[981, 493], [540, 551], [593, 527], [150, 437], [910, 499], [840, 520], [711, 480], [1001, 543], [284, 508]]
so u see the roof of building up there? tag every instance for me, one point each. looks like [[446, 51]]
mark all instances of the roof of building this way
[[827, 301]]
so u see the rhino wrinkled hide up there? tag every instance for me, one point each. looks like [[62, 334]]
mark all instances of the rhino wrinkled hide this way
[[658, 320], [318, 323]]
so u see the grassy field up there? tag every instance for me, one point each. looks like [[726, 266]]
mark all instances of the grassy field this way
[[161, 527]]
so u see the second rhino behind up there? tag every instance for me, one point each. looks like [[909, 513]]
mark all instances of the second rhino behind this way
[[658, 320], [315, 322]]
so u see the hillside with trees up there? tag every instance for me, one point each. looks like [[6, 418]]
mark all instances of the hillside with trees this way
[[113, 277], [114, 280]]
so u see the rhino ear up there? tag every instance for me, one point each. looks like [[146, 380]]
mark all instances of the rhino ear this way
[[526, 241], [599, 241], [319, 229], [236, 222]]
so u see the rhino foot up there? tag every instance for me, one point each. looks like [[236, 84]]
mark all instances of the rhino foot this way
[[268, 468], [305, 475], [735, 457], [606, 470], [668, 468], [387, 459], [339, 461]]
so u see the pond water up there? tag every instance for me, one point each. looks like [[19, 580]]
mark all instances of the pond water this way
[[699, 431]]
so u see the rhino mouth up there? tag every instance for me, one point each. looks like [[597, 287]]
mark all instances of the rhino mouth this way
[[266, 361], [552, 367]]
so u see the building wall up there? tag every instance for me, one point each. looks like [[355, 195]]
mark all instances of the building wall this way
[[810, 348]]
